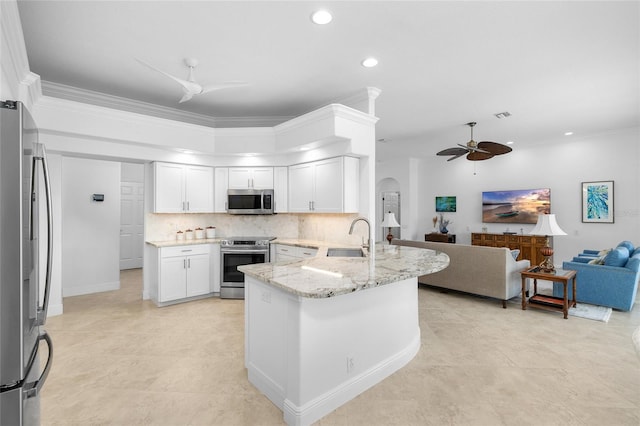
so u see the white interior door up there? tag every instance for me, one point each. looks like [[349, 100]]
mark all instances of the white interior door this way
[[131, 224]]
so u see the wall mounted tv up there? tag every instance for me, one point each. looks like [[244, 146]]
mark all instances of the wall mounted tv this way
[[445, 204], [515, 206]]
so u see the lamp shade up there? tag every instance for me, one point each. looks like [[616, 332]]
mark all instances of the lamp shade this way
[[547, 225], [390, 221]]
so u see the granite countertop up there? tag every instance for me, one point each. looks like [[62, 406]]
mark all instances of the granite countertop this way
[[322, 276], [176, 243]]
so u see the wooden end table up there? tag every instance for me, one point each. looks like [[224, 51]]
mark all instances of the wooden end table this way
[[549, 302]]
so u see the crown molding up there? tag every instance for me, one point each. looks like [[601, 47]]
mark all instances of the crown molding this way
[[63, 91], [15, 63]]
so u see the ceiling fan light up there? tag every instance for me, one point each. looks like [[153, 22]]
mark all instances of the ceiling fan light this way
[[321, 17]]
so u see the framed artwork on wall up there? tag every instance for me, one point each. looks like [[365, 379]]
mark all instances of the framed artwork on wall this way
[[515, 206], [445, 204], [597, 202]]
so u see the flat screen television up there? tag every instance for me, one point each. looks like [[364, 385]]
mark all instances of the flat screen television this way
[[445, 204], [515, 206]]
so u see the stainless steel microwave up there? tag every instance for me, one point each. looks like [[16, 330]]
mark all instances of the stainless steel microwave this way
[[250, 201]]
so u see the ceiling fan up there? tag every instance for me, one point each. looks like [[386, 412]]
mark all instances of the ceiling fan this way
[[476, 151], [189, 86]]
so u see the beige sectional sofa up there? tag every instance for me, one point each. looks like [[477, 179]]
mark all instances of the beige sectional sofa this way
[[485, 271]]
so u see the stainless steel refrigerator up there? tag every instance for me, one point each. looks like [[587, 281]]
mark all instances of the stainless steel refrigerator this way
[[25, 266]]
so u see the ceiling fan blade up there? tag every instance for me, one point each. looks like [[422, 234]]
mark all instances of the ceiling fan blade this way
[[211, 87], [187, 96], [456, 156], [187, 85], [494, 147], [479, 156], [453, 151]]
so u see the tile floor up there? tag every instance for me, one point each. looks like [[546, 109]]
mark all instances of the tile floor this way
[[122, 361]]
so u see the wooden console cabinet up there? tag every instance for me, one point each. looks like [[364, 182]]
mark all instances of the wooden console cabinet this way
[[529, 245]]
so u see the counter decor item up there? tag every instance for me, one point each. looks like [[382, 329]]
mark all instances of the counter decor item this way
[[179, 235], [443, 224], [199, 233], [188, 234], [211, 231]]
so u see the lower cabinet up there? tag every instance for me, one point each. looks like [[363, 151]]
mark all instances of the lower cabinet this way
[[184, 271], [287, 252]]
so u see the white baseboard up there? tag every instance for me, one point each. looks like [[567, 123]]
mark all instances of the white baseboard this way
[[89, 289], [54, 310]]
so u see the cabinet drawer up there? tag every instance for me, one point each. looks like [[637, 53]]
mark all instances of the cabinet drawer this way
[[307, 252], [286, 250], [184, 250]]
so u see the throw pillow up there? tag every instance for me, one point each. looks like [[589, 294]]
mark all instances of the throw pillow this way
[[515, 253], [597, 260], [628, 245], [603, 252], [617, 257]]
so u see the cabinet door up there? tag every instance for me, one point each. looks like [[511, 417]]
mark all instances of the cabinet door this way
[[239, 178], [281, 189], [262, 178], [173, 279], [300, 187], [221, 186], [199, 189], [168, 188], [198, 274], [328, 181]]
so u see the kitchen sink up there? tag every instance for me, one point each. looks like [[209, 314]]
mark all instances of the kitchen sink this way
[[345, 252]]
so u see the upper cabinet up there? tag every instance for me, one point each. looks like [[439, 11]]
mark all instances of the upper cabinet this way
[[180, 188], [251, 178], [327, 186], [281, 189]]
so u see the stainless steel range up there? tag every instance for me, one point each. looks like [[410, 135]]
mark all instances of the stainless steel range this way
[[237, 251]]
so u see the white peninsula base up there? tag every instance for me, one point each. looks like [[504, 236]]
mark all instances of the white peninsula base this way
[[309, 356]]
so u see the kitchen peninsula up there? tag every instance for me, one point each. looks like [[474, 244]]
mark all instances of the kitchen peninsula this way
[[320, 331]]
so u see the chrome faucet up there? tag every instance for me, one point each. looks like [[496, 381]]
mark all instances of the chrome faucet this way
[[368, 244]]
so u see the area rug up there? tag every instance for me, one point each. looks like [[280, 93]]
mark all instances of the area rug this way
[[592, 312]]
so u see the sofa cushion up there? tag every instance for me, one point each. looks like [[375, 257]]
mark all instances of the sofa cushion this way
[[592, 260], [628, 245], [617, 257], [633, 264], [635, 253]]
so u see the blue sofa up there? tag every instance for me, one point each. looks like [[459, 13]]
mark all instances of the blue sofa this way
[[606, 278]]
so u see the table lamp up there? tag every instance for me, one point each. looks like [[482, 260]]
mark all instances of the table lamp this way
[[547, 226], [390, 222]]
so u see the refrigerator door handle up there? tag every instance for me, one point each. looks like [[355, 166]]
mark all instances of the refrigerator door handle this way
[[35, 388], [42, 311]]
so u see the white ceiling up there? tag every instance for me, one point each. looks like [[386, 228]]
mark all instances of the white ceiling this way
[[555, 66]]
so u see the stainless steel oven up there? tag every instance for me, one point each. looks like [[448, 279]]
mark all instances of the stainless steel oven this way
[[237, 251]]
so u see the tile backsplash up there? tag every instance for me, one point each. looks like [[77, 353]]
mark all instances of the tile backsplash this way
[[321, 227]]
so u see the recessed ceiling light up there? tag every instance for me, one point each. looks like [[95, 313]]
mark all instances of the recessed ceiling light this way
[[304, 148], [186, 151], [321, 17], [509, 142], [503, 114], [370, 62], [568, 133]]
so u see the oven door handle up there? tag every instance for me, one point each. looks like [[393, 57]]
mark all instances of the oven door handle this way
[[252, 251]]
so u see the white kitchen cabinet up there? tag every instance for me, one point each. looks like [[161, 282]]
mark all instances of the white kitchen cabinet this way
[[287, 252], [180, 188], [326, 186], [281, 189], [185, 271], [221, 186], [251, 178]]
